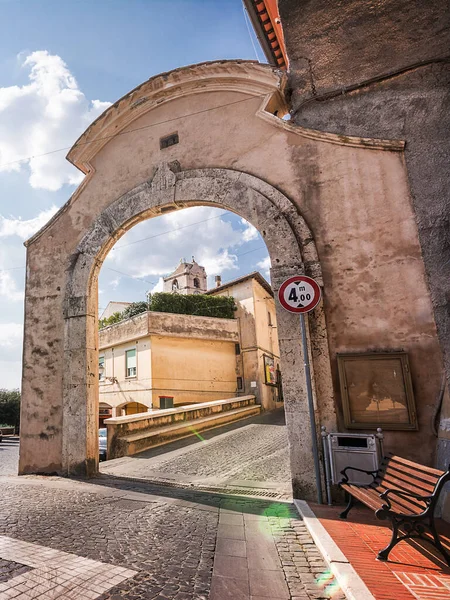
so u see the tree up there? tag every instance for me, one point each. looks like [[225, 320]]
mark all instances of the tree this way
[[111, 320], [135, 308], [10, 408]]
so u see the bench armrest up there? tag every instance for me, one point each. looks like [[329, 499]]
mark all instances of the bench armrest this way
[[403, 494], [345, 476]]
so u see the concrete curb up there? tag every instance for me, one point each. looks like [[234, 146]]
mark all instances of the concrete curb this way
[[351, 583]]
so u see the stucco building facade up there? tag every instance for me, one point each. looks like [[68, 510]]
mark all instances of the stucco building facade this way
[[258, 337], [156, 360], [187, 358]]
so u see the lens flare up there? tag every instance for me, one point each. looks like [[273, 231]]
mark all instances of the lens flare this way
[[277, 509], [327, 582], [324, 579], [202, 439]]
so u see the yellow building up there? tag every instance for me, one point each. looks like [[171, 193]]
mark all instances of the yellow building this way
[[159, 360], [257, 324]]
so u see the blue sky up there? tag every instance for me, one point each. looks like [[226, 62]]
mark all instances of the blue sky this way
[[61, 64]]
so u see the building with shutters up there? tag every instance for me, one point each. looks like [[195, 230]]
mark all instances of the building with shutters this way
[[161, 360]]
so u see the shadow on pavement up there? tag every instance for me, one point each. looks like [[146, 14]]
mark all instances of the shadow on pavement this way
[[251, 505]]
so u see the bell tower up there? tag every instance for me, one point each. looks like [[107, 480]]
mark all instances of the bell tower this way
[[188, 278]]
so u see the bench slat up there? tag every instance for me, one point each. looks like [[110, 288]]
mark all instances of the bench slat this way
[[371, 497], [396, 466], [372, 500], [426, 473], [409, 483], [408, 505], [387, 482], [397, 471], [416, 466]]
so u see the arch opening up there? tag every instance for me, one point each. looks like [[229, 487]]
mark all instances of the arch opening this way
[[192, 344]]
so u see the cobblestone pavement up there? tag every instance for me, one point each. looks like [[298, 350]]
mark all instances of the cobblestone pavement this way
[[10, 569], [260, 457], [9, 455], [179, 542]]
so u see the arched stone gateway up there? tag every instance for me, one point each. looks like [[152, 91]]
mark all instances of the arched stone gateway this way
[[289, 243], [229, 148]]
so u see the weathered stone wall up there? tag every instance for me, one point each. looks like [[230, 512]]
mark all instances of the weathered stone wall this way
[[381, 69]]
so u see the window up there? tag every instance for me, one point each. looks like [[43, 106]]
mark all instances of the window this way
[[196, 283], [130, 363], [166, 402], [237, 349], [240, 384], [168, 141], [269, 318], [101, 368]]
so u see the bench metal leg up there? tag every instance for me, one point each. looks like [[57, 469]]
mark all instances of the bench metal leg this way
[[350, 504], [413, 530], [438, 543], [383, 554]]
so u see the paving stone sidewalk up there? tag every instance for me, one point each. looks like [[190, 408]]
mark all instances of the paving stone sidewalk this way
[[164, 544]]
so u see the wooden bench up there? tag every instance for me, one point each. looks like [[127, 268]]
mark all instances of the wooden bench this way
[[405, 493]]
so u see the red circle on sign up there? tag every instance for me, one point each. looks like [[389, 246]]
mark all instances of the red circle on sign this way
[[298, 298]]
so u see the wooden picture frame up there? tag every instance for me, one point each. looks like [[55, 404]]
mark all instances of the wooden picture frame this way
[[376, 391]]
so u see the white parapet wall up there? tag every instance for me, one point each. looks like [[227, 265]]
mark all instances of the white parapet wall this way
[[134, 433]]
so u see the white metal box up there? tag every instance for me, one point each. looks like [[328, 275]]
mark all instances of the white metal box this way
[[358, 450]]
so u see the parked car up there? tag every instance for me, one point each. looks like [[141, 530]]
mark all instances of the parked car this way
[[102, 443]]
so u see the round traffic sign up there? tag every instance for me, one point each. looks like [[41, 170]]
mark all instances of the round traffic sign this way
[[299, 294]]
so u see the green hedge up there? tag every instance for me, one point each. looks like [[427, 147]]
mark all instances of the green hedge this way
[[193, 304], [189, 304]]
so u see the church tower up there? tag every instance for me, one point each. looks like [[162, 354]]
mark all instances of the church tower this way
[[188, 278]]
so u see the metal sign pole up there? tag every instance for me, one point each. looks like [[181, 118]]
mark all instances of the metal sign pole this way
[[311, 409]]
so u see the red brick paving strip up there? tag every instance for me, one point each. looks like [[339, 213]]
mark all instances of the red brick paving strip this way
[[409, 574]]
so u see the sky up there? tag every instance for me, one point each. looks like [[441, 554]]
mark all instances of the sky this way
[[62, 63]]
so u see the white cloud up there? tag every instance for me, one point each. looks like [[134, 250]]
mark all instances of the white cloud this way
[[250, 233], [9, 289], [16, 227], [47, 114], [209, 241], [159, 287], [114, 283], [25, 229], [223, 261], [264, 265], [10, 373], [10, 334]]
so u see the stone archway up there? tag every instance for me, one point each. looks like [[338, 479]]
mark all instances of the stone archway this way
[[291, 248], [235, 152]]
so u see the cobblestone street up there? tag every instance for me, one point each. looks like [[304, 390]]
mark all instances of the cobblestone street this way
[[9, 455], [154, 543], [127, 535], [252, 453]]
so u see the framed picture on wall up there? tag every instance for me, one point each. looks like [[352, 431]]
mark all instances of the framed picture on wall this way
[[270, 373], [376, 391]]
